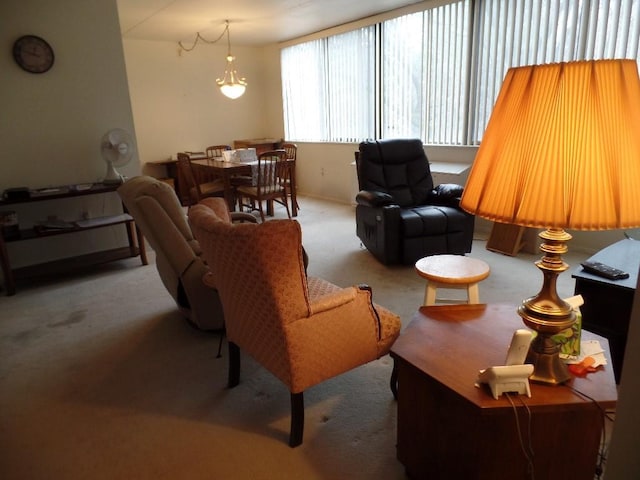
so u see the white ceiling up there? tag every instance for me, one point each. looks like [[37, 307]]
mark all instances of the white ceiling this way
[[253, 22]]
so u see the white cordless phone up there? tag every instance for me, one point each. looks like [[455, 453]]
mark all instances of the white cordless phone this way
[[514, 375], [519, 347]]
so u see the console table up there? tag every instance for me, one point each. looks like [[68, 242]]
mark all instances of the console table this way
[[607, 303], [135, 248], [449, 428], [260, 144]]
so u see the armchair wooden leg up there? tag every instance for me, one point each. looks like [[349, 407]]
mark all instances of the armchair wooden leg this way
[[297, 419], [234, 365], [393, 383], [222, 334]]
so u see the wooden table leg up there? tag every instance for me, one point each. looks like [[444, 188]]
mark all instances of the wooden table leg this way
[[228, 191], [473, 293], [430, 291], [292, 186], [9, 281]]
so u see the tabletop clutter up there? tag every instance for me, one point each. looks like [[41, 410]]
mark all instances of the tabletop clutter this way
[[240, 155]]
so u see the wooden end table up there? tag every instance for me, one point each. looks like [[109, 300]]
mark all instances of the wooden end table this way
[[607, 303], [449, 428]]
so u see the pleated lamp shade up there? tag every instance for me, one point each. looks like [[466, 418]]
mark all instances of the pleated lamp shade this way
[[562, 148]]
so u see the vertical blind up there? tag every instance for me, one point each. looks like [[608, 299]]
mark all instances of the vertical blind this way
[[328, 88], [351, 67], [424, 69], [403, 105], [447, 53], [514, 33], [435, 74], [304, 86]]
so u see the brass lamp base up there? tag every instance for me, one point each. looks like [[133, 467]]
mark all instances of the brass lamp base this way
[[548, 367], [547, 313]]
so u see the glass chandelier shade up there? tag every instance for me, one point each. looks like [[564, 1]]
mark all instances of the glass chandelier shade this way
[[231, 85]]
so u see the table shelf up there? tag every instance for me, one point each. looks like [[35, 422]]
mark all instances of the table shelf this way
[[75, 263], [64, 191], [135, 246], [80, 226]]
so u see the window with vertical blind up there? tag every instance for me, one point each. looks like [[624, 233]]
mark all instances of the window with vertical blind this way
[[303, 74], [329, 87], [513, 33], [435, 74]]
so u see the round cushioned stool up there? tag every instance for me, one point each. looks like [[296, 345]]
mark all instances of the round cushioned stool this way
[[452, 271]]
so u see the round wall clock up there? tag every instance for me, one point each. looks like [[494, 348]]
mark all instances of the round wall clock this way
[[33, 54]]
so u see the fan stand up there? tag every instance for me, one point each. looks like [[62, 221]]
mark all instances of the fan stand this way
[[112, 176]]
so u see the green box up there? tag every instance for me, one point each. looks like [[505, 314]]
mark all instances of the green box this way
[[569, 338]]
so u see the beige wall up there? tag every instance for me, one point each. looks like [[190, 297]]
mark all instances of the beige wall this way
[[177, 105], [51, 124]]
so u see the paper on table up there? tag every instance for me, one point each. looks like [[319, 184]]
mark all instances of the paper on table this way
[[590, 348]]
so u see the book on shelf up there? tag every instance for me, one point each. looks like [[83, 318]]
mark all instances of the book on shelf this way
[[53, 224]]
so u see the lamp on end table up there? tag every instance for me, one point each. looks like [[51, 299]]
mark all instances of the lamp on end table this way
[[561, 150]]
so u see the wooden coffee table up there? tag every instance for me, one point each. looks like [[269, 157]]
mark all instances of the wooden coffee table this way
[[449, 428]]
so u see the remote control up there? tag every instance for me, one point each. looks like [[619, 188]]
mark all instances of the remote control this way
[[603, 270]]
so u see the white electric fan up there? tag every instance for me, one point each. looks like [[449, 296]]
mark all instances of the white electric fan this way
[[117, 150]]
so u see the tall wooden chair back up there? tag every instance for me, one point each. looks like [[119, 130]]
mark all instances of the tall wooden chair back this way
[[292, 152], [196, 190], [270, 176], [291, 149], [215, 151]]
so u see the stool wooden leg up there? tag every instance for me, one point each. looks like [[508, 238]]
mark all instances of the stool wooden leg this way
[[473, 293], [430, 293]]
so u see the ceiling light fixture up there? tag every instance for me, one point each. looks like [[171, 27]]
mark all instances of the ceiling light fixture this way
[[231, 85]]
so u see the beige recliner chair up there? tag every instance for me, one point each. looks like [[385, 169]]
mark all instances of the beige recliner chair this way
[[302, 329], [163, 221]]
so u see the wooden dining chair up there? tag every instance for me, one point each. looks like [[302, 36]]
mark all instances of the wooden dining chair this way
[[292, 152], [197, 191], [215, 151], [269, 182]]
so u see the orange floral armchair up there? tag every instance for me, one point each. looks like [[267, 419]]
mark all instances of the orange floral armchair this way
[[302, 329]]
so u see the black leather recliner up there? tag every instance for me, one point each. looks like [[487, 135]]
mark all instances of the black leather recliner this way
[[400, 216]]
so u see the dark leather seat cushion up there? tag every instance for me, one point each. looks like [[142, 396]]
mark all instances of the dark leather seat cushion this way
[[430, 220]]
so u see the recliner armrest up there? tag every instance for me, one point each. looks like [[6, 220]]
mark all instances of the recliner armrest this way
[[449, 190], [448, 194], [239, 217], [372, 198]]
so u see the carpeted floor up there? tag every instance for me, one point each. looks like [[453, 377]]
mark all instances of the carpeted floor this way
[[101, 378]]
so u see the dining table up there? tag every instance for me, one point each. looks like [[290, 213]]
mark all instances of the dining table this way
[[206, 168]]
